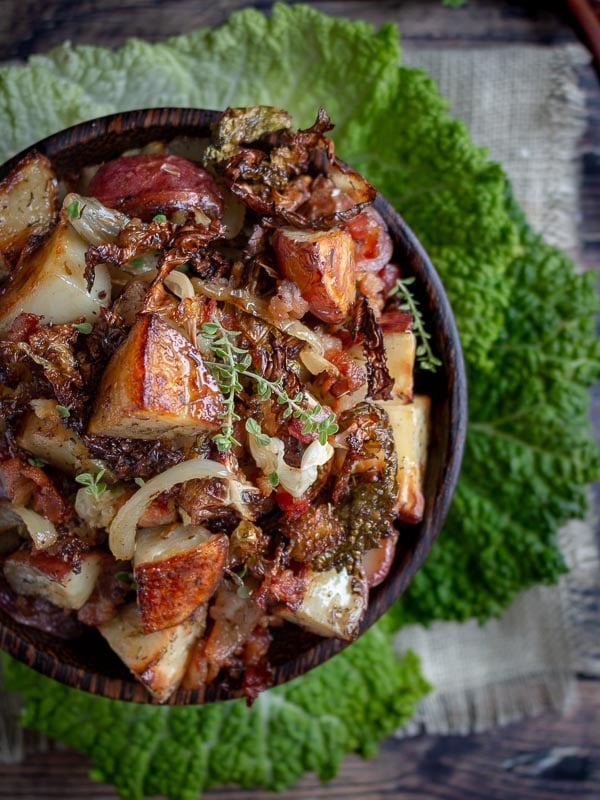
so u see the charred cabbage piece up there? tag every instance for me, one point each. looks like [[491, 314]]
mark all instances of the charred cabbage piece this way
[[156, 385], [50, 282], [28, 203], [321, 264], [238, 126], [333, 604], [176, 571], [159, 659], [366, 488], [39, 574], [410, 425]]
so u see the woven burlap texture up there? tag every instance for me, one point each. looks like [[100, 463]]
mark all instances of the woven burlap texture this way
[[524, 105]]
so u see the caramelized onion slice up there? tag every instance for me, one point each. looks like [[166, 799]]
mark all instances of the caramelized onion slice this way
[[42, 531], [122, 529]]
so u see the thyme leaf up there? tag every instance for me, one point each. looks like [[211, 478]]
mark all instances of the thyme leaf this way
[[425, 357], [235, 363]]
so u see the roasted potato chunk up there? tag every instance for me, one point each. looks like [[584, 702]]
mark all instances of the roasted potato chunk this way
[[156, 385], [400, 348], [44, 434], [410, 426], [321, 263], [46, 576], [158, 660], [28, 203], [176, 570], [333, 605], [50, 282]]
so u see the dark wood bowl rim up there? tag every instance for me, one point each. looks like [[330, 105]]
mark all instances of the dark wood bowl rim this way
[[105, 137]]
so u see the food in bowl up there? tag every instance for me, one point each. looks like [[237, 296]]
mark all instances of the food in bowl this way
[[210, 426]]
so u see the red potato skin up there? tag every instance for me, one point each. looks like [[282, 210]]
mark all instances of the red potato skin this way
[[146, 184], [378, 561], [170, 590], [396, 321], [321, 263]]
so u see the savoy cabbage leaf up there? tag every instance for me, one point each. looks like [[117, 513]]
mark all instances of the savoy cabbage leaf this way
[[346, 705]]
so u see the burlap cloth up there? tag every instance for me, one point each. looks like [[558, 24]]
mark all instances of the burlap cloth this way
[[524, 105]]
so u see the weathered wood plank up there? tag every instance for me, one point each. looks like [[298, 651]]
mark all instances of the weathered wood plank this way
[[33, 26]]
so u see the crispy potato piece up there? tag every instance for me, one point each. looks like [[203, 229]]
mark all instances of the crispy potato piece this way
[[411, 425], [50, 282], [176, 570], [44, 435], [156, 385], [46, 576], [158, 660], [321, 263], [28, 203], [400, 348], [333, 605]]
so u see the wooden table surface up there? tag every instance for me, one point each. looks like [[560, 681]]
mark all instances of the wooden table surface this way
[[479, 767]]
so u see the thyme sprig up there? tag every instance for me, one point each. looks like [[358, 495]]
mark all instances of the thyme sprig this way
[[93, 483], [235, 363], [425, 357]]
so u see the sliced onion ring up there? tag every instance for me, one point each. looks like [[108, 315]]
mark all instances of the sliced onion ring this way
[[122, 530], [42, 531]]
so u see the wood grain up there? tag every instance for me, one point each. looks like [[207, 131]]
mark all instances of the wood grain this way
[[587, 18], [424, 768]]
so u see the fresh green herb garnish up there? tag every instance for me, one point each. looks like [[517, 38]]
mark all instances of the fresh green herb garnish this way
[[138, 262], [92, 483], [425, 357], [235, 363], [83, 327], [159, 218], [36, 462], [63, 411], [74, 209], [254, 428]]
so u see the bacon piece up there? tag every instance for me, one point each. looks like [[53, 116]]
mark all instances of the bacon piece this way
[[109, 594], [22, 484]]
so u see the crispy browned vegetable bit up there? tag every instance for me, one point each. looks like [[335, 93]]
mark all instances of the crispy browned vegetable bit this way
[[208, 420]]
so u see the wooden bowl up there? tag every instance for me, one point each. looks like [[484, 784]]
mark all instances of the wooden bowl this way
[[87, 662]]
